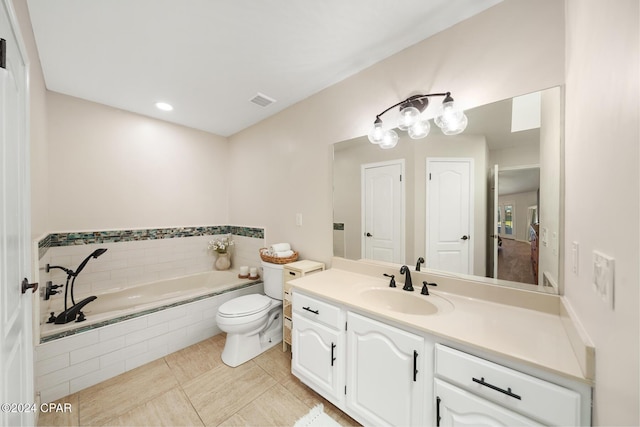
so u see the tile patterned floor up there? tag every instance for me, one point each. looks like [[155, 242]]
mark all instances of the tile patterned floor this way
[[192, 387]]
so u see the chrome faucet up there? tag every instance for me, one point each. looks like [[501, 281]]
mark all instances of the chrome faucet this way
[[408, 286]]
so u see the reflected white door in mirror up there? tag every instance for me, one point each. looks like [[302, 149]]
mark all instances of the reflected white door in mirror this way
[[383, 211], [449, 214]]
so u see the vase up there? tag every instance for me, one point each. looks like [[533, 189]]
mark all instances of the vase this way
[[223, 261]]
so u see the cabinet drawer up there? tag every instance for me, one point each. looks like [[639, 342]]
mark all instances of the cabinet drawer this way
[[317, 310], [290, 275], [541, 400]]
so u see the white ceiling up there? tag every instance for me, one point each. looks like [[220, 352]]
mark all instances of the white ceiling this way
[[208, 58]]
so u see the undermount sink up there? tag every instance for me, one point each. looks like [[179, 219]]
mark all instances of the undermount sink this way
[[395, 299]]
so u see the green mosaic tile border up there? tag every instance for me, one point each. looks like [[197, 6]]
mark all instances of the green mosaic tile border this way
[[110, 236], [108, 322]]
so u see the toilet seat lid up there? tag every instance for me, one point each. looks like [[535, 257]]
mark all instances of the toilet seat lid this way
[[245, 305]]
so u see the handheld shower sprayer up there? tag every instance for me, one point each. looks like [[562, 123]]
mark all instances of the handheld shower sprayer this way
[[74, 274], [94, 254]]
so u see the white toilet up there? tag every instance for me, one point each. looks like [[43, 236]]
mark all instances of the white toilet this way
[[253, 323]]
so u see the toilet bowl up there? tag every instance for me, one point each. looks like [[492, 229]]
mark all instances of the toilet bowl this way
[[253, 323]]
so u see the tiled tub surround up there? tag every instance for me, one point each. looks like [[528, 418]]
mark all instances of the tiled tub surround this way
[[130, 263], [126, 303], [70, 364]]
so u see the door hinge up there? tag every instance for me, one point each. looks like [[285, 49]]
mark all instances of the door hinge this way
[[345, 326], [429, 176], [400, 177], [345, 389]]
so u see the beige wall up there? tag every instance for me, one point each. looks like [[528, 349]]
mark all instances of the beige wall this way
[[283, 164], [111, 169], [602, 192]]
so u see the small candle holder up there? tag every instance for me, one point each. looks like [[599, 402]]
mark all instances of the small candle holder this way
[[244, 272]]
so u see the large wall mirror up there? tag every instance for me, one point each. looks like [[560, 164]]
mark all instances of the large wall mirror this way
[[484, 203]]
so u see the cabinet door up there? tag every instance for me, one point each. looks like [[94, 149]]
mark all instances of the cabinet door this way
[[318, 357], [456, 407], [385, 373]]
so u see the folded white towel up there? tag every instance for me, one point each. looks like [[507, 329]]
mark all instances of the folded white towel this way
[[284, 254], [280, 247]]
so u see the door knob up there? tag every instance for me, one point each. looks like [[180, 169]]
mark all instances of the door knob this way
[[369, 235], [465, 237], [26, 285]]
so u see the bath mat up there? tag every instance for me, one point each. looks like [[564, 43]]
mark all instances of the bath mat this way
[[316, 418]]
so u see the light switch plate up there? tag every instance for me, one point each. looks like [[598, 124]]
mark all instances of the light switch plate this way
[[575, 258], [603, 277], [545, 237], [299, 219]]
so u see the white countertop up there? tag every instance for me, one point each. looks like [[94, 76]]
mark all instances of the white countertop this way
[[530, 336]]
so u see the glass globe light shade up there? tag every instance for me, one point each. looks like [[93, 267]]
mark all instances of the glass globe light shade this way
[[390, 139], [408, 116], [419, 129], [454, 128], [448, 113], [376, 135]]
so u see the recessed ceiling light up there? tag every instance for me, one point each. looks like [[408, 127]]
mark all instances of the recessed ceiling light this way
[[164, 106]]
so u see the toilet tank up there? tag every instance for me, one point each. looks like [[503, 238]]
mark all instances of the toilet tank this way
[[272, 279]]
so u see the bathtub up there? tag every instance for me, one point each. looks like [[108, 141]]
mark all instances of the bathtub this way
[[127, 303]]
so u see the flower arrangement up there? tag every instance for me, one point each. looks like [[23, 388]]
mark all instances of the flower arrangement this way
[[221, 245]]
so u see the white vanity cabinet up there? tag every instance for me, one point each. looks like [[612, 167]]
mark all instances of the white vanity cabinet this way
[[318, 346], [474, 391], [385, 373], [380, 374]]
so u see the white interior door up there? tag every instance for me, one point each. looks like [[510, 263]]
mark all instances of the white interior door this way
[[16, 349], [449, 215], [383, 211]]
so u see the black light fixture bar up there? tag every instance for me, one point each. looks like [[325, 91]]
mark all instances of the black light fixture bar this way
[[412, 100], [449, 118]]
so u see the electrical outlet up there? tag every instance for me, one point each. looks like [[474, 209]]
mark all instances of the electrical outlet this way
[[575, 258], [603, 277]]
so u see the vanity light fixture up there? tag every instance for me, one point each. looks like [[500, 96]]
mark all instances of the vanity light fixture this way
[[450, 119], [164, 106]]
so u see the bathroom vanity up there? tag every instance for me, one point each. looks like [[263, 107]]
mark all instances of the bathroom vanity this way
[[386, 356]]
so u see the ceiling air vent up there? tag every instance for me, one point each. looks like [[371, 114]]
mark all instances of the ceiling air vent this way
[[262, 100]]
